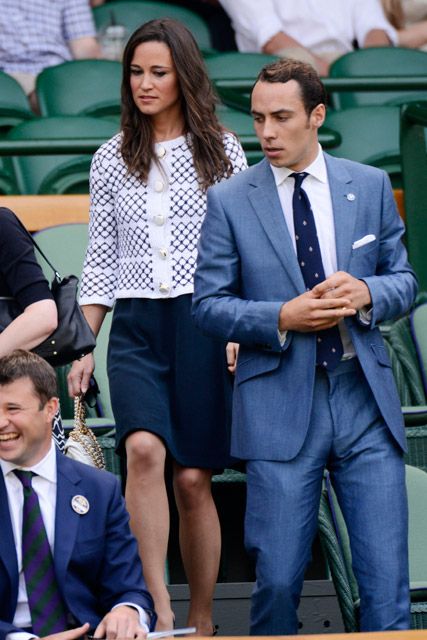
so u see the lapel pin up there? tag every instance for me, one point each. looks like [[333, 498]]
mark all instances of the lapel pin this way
[[351, 197], [80, 505]]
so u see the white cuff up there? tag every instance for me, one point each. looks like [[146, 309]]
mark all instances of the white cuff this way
[[365, 316], [282, 336]]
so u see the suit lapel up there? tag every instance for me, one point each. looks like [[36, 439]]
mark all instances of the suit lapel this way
[[345, 198], [66, 519], [266, 203], [7, 541]]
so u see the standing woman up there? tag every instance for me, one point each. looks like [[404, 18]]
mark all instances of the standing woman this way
[[167, 381]]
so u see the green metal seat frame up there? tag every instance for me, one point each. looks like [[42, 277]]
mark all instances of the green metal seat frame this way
[[336, 545], [52, 174]]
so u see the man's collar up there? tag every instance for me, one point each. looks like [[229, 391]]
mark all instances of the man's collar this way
[[46, 468], [317, 169]]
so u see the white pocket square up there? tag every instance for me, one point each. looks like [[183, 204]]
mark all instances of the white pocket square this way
[[365, 240]]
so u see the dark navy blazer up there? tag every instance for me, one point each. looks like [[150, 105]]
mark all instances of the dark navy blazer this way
[[96, 557]]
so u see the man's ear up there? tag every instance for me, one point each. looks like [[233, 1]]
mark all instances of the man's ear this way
[[317, 116], [51, 407]]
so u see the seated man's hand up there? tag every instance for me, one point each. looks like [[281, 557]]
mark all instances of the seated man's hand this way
[[121, 622]]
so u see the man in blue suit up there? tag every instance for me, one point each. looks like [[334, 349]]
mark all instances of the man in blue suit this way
[[300, 259], [97, 584]]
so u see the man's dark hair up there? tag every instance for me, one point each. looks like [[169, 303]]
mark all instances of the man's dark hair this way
[[25, 364], [312, 90]]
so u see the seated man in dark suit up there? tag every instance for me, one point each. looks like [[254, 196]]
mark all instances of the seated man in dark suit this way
[[69, 564]]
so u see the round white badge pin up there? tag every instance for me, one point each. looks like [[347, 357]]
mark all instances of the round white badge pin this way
[[80, 505]]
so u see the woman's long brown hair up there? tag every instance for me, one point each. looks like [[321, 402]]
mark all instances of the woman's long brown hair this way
[[205, 133]]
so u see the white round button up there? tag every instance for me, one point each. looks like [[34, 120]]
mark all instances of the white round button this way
[[161, 152], [163, 252], [164, 288], [158, 186], [159, 219]]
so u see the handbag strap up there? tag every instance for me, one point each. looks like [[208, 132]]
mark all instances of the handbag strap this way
[[43, 255]]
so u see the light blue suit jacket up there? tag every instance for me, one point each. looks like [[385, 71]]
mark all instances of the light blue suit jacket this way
[[247, 268], [96, 557]]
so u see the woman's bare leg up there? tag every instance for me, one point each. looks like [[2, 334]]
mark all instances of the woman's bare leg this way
[[147, 503], [200, 542]]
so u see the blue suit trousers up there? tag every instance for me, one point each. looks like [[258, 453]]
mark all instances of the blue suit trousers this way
[[348, 436]]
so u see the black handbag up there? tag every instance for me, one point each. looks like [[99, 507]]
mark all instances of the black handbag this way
[[73, 337]]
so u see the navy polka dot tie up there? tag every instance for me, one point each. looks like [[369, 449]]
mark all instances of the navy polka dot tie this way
[[329, 345]]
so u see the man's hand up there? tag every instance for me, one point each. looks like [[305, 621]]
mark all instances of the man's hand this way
[[232, 351], [72, 634], [121, 622], [343, 285], [310, 312]]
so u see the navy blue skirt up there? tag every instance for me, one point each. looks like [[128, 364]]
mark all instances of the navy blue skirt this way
[[168, 378]]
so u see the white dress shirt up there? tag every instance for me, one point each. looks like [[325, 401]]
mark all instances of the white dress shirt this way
[[324, 27], [44, 484], [316, 186]]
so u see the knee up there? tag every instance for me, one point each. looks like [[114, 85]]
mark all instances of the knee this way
[[145, 452], [192, 486], [281, 587], [278, 574]]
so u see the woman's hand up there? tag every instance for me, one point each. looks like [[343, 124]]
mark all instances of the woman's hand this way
[[81, 370], [232, 351], [79, 376]]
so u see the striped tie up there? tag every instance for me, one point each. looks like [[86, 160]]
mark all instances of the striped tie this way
[[44, 600]]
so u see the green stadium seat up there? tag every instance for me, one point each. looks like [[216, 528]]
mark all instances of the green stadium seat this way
[[370, 135], [14, 106], [60, 173], [241, 124], [132, 14], [233, 65], [80, 87], [378, 61], [413, 145], [74, 237]]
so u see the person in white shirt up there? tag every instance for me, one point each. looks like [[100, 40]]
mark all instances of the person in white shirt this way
[[317, 31], [410, 21], [168, 382], [98, 583]]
